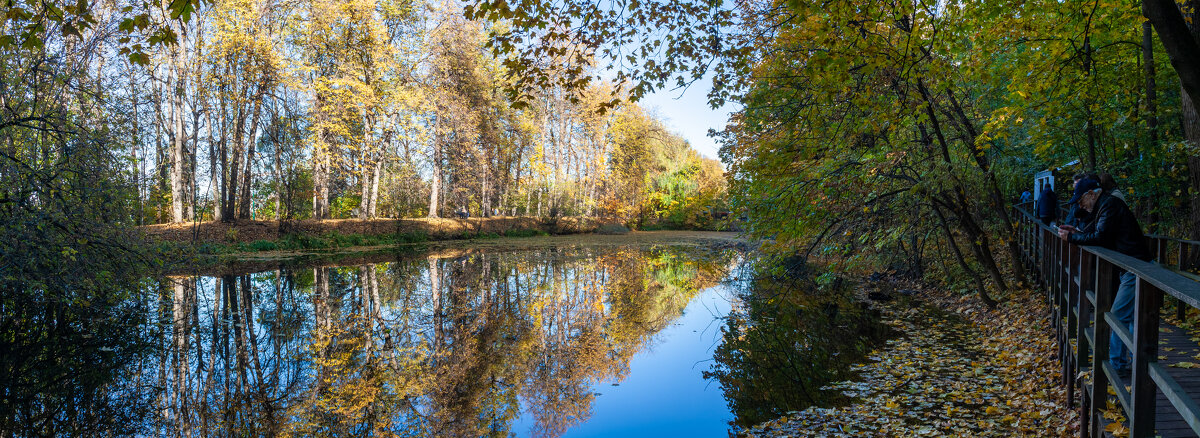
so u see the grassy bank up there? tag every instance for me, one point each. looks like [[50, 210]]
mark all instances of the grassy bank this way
[[334, 240], [252, 236]]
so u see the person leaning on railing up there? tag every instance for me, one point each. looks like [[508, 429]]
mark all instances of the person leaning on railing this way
[[1112, 226]]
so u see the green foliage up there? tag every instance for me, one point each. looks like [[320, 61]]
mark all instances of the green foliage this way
[[71, 275], [344, 205], [658, 180], [412, 237], [668, 43], [263, 245], [303, 241]]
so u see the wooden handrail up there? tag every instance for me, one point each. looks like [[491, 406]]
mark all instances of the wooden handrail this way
[[1081, 283]]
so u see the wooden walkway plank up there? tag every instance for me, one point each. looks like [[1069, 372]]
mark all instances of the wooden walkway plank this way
[[1168, 423]]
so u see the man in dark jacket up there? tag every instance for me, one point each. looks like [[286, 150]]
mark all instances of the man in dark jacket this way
[[1047, 205], [1112, 226]]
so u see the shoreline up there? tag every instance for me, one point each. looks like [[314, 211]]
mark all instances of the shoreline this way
[[239, 261], [248, 231]]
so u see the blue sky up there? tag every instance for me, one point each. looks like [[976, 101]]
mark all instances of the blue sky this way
[[687, 113]]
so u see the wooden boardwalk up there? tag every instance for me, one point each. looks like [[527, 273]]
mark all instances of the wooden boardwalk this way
[[1175, 347], [1081, 283]]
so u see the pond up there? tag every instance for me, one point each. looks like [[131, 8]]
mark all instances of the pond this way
[[571, 340]]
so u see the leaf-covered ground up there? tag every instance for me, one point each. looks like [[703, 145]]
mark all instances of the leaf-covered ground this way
[[959, 370]]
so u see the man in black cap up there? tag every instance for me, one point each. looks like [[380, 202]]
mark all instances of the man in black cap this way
[[1076, 216], [1113, 226]]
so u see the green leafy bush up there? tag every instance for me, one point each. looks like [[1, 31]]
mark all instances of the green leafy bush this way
[[263, 245]]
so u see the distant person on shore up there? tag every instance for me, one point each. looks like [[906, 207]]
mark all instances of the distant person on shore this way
[[1113, 226], [1047, 205], [1026, 197]]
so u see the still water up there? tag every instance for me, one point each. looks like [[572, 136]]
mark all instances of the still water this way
[[566, 340], [547, 342]]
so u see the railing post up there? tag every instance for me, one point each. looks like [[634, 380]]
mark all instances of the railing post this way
[[1043, 249], [1145, 352], [1070, 365], [1063, 263], [1105, 289], [1183, 256], [1087, 281]]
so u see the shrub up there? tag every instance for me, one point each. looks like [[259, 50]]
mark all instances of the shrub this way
[[208, 248], [263, 245], [302, 241], [413, 237]]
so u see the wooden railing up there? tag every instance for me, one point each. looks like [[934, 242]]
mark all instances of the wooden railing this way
[[1081, 282]]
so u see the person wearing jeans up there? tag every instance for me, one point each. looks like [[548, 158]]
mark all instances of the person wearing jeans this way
[[1122, 308], [1111, 225]]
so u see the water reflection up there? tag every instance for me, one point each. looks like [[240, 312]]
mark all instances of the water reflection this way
[[787, 340], [70, 357], [448, 344]]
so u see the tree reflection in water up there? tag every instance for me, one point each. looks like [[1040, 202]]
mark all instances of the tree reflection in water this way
[[451, 344], [788, 339]]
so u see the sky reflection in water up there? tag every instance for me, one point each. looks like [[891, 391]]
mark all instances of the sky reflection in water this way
[[458, 343]]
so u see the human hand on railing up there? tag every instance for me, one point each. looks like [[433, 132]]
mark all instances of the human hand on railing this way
[[1064, 232], [1070, 228]]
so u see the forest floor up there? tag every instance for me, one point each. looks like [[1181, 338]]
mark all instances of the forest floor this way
[[246, 231], [959, 370]]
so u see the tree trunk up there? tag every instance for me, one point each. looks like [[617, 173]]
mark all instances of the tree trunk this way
[[998, 204], [179, 158], [1151, 91], [133, 153], [214, 173], [962, 262], [1180, 41], [364, 182], [485, 201], [233, 176], [248, 172], [321, 179], [278, 166], [960, 204], [1191, 133], [435, 183], [374, 196]]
